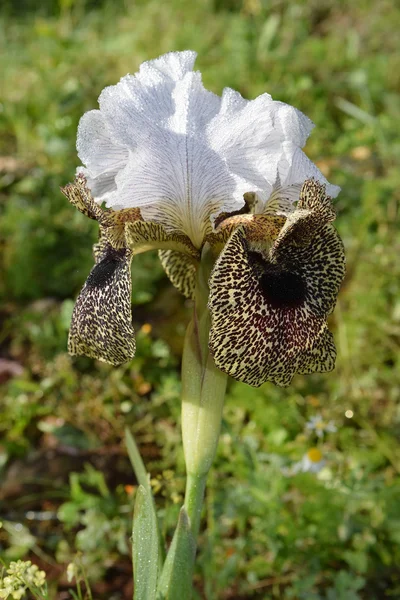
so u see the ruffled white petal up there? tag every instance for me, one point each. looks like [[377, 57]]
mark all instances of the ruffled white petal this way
[[162, 143], [250, 134], [194, 106], [103, 157], [96, 148], [102, 185], [173, 65], [293, 125], [293, 169], [178, 180], [139, 105], [300, 167]]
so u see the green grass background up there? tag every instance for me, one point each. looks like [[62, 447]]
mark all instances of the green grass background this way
[[66, 482]]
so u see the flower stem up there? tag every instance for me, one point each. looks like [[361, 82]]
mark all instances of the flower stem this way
[[194, 496], [203, 394]]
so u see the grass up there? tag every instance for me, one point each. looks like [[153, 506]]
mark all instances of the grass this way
[[66, 481]]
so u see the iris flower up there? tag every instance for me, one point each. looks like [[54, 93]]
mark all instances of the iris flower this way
[[179, 168]]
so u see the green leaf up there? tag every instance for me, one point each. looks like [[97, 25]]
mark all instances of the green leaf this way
[[176, 577], [143, 479], [145, 547], [136, 461]]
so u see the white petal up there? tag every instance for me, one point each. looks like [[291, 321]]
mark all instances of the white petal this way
[[232, 101], [163, 143], [140, 104], [179, 182], [302, 168], [194, 106], [293, 125], [101, 186], [175, 177], [173, 65], [242, 125], [133, 111], [96, 148], [293, 169], [244, 134]]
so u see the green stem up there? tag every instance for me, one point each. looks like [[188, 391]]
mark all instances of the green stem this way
[[203, 393], [194, 496]]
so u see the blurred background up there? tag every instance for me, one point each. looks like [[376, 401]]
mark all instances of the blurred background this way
[[283, 520]]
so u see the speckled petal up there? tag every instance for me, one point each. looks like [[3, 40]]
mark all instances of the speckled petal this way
[[112, 223], [269, 306], [181, 270], [309, 244], [259, 229], [321, 357], [101, 325], [144, 235], [81, 197]]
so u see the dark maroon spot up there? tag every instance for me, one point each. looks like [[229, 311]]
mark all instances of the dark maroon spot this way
[[103, 272], [281, 287]]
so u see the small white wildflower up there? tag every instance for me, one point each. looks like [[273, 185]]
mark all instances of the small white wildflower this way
[[311, 462], [319, 426]]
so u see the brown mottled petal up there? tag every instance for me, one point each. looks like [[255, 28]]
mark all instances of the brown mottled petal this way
[[181, 270], [311, 246], [112, 223], [313, 211], [282, 200], [254, 338], [313, 197], [269, 309], [100, 247], [321, 357], [259, 228], [147, 235], [80, 196], [101, 325]]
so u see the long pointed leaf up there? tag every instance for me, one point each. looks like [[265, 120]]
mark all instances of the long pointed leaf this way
[[176, 578], [143, 479], [145, 547], [136, 461]]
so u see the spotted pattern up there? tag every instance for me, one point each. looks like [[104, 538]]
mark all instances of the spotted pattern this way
[[101, 325], [146, 235], [80, 196], [258, 228], [112, 223], [269, 304], [181, 270]]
